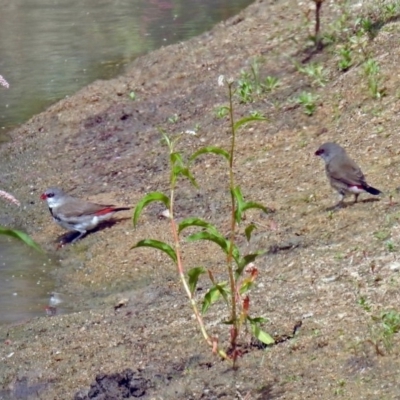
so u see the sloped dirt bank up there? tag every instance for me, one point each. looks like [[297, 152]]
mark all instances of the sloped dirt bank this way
[[337, 272]]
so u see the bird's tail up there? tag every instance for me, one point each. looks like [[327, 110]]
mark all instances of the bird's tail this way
[[110, 209], [129, 208], [372, 190]]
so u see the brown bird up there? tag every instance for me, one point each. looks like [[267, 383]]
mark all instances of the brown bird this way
[[76, 214], [344, 175]]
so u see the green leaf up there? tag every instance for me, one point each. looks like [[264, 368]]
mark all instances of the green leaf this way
[[194, 274], [257, 332], [212, 236], [218, 239], [210, 149], [237, 194], [156, 244], [248, 231], [176, 158], [154, 196], [185, 172], [224, 292], [211, 297], [252, 204], [167, 139], [242, 205], [261, 335], [23, 237], [194, 221], [256, 320], [248, 119], [176, 171], [179, 169]]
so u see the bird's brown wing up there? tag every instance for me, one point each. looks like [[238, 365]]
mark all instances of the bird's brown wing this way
[[347, 172], [77, 208]]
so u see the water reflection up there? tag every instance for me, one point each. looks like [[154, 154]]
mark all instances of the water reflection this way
[[26, 282], [51, 48]]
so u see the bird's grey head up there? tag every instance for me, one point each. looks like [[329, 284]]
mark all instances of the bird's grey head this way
[[53, 196], [329, 150]]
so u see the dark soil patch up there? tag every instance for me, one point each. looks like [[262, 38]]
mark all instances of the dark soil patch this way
[[125, 385]]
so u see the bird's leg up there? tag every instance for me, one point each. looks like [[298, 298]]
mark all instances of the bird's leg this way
[[356, 197], [340, 203], [81, 234]]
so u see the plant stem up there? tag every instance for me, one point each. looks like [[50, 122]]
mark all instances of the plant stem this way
[[235, 331], [318, 5], [212, 342]]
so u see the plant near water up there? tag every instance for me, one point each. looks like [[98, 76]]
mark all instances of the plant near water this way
[[390, 325], [9, 197], [4, 83], [346, 58], [338, 29], [173, 119], [371, 71], [221, 111], [240, 269], [359, 44], [257, 114], [363, 302], [247, 87], [390, 11], [23, 237], [385, 325], [197, 127], [339, 391], [371, 67], [308, 101], [271, 83], [250, 84], [382, 235], [315, 72], [367, 26], [390, 246]]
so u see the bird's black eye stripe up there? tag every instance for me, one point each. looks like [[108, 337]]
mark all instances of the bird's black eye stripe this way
[[50, 195]]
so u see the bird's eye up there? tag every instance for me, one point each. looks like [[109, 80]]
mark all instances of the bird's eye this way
[[50, 195]]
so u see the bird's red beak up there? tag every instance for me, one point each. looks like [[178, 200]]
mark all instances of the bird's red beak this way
[[43, 196]]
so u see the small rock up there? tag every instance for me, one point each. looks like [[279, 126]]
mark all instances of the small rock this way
[[329, 279], [395, 266]]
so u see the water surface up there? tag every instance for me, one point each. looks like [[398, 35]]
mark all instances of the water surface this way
[[51, 48], [26, 282]]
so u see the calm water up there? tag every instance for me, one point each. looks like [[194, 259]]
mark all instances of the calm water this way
[[25, 281], [49, 49]]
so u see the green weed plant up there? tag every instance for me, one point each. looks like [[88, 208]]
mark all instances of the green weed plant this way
[[240, 268]]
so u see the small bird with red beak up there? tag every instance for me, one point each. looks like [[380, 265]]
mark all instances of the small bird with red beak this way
[[76, 214], [344, 175]]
